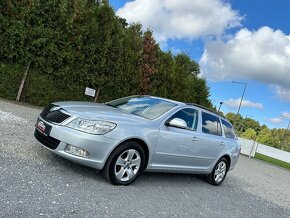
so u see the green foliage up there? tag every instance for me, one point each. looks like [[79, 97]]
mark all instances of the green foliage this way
[[42, 88], [249, 128], [177, 78], [251, 123], [237, 121], [249, 134], [268, 137], [72, 44], [234, 118], [149, 62], [10, 79], [242, 124]]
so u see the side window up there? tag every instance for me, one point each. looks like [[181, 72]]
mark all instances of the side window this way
[[211, 124], [229, 130], [189, 115]]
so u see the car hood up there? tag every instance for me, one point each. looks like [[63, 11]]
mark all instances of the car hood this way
[[95, 111]]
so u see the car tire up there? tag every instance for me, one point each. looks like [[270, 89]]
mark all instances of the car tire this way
[[219, 172], [125, 164]]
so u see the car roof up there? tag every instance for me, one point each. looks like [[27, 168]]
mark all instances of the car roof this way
[[189, 104], [205, 108]]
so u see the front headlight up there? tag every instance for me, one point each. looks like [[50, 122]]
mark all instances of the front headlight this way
[[97, 127]]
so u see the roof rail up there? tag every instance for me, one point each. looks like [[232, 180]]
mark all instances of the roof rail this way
[[205, 108]]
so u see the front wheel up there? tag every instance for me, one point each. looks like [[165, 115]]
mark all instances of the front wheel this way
[[219, 172], [125, 164]]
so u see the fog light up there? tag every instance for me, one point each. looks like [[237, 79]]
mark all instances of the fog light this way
[[76, 151]]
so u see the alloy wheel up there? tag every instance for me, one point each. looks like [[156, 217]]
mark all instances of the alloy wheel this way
[[127, 165], [220, 172]]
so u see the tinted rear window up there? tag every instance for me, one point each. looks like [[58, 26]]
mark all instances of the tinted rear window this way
[[211, 124], [229, 130]]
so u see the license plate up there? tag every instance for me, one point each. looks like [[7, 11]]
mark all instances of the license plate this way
[[43, 127]]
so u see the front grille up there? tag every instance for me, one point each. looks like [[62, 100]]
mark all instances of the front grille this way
[[55, 116], [48, 141], [46, 110]]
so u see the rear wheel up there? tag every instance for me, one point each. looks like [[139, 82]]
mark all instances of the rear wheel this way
[[219, 172], [125, 164]]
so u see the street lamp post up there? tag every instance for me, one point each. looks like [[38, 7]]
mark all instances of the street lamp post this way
[[245, 86], [220, 106]]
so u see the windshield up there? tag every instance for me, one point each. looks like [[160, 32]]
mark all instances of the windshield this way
[[143, 106]]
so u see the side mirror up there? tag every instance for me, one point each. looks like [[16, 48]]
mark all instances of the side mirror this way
[[177, 122]]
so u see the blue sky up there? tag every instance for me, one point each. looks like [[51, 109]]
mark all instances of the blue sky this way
[[239, 40]]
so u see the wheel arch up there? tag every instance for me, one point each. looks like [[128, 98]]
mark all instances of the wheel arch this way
[[228, 158], [141, 142]]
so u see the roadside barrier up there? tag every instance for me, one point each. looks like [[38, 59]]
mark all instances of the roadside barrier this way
[[250, 148]]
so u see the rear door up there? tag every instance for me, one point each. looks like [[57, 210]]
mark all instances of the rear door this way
[[210, 141]]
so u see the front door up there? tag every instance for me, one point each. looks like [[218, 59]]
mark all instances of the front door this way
[[177, 147]]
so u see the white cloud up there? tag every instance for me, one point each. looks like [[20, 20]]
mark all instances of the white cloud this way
[[234, 104], [262, 55], [279, 120], [275, 120], [182, 19], [286, 114], [282, 92]]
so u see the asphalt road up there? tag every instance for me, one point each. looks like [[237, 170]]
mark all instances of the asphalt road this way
[[36, 183]]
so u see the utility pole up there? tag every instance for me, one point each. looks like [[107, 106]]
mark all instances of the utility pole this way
[[245, 86]]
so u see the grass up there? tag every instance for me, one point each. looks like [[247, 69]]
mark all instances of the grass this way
[[272, 161]]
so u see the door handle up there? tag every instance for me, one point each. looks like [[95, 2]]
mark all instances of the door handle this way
[[194, 138]]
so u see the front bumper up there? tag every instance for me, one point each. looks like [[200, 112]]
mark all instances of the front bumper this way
[[98, 146]]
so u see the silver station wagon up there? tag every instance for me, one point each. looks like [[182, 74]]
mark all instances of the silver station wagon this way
[[130, 135]]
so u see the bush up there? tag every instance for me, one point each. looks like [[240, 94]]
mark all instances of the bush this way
[[10, 80], [39, 89]]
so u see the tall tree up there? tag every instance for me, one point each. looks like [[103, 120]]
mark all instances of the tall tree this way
[[129, 74], [249, 134], [149, 62], [77, 43], [236, 120], [163, 81]]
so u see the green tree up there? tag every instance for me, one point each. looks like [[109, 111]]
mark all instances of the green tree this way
[[72, 44], [236, 120], [251, 123], [249, 134], [149, 62], [130, 70], [264, 136], [163, 81]]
